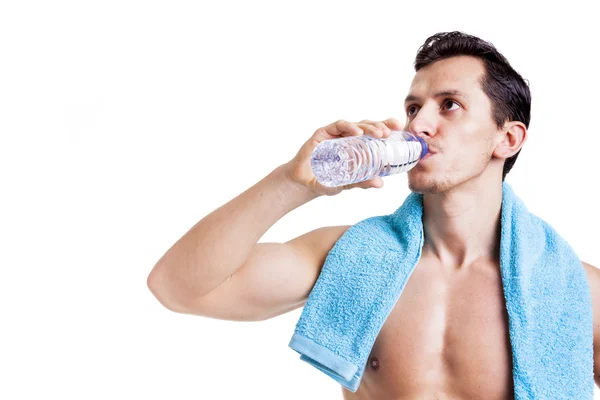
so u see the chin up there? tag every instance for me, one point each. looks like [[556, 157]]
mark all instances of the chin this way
[[426, 184]]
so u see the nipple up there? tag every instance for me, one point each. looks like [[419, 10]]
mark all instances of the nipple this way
[[374, 362]]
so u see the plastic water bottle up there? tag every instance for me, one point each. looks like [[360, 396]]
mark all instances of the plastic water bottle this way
[[347, 160]]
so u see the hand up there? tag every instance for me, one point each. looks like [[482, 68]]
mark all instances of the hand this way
[[300, 171]]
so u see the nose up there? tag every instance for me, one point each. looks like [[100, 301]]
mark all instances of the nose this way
[[422, 125]]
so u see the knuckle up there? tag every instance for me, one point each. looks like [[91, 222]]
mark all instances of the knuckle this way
[[319, 132], [391, 123], [370, 127]]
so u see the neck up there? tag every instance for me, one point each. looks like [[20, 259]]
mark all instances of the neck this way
[[462, 225]]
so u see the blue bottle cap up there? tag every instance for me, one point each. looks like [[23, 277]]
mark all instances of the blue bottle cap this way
[[424, 147]]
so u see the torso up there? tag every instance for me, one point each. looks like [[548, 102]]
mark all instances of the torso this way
[[446, 338]]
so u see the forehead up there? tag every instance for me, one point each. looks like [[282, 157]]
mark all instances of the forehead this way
[[461, 73]]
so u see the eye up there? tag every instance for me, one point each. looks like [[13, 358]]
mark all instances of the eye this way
[[408, 110], [450, 102], [411, 110]]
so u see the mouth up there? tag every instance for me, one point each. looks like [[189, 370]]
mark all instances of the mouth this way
[[429, 154]]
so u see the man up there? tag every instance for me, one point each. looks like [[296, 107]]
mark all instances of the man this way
[[447, 335]]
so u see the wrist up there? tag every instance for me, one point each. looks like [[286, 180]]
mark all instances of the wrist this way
[[291, 188]]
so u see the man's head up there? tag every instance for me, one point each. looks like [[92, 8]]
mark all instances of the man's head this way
[[470, 106]]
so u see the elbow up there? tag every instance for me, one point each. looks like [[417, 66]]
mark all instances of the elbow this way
[[162, 289], [153, 284]]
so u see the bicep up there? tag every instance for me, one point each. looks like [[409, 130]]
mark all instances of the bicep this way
[[276, 278]]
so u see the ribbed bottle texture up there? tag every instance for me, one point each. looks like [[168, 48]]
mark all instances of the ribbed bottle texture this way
[[348, 160]]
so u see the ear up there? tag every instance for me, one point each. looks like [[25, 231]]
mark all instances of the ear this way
[[510, 140]]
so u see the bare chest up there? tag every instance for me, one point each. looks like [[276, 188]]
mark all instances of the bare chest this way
[[446, 338]]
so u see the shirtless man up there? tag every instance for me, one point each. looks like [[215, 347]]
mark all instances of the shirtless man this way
[[447, 336]]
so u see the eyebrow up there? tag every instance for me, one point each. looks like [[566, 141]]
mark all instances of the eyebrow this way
[[451, 92]]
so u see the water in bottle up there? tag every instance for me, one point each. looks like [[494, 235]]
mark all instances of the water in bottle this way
[[343, 161]]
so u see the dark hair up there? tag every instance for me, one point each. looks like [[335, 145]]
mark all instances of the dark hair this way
[[507, 90]]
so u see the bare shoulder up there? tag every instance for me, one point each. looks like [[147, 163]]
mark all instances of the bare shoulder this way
[[593, 275], [586, 265]]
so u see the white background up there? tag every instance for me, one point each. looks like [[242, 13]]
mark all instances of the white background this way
[[123, 123]]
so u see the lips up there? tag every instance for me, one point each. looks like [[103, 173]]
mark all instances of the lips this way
[[430, 151], [428, 154]]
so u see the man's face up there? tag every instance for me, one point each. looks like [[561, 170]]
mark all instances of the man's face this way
[[458, 127]]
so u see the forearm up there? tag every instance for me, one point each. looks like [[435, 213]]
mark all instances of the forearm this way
[[220, 243]]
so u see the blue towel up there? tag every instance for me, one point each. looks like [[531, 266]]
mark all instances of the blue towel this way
[[545, 288]]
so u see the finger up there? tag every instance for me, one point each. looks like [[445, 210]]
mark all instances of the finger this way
[[371, 128], [334, 130], [393, 124], [341, 127], [383, 128]]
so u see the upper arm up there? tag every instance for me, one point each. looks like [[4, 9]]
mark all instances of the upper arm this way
[[276, 278], [593, 275]]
